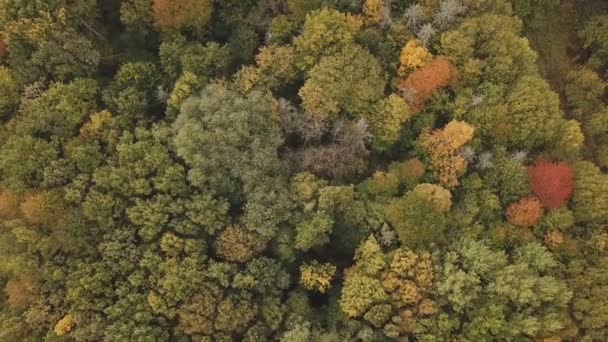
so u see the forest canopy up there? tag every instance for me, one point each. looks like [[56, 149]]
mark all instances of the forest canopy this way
[[303, 170]]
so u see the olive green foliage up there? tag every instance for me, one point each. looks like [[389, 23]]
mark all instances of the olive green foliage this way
[[254, 170], [351, 81]]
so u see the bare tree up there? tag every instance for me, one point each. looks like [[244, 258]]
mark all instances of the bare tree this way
[[426, 33], [520, 156], [413, 16], [467, 153], [448, 13], [485, 161], [343, 156], [300, 123]]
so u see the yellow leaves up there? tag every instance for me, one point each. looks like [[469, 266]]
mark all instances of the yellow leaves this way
[[237, 244], [457, 133], [317, 276], [408, 293], [440, 197], [376, 11], [94, 127], [553, 238], [412, 57], [184, 87], [170, 15], [409, 276], [387, 119], [65, 325], [442, 146]]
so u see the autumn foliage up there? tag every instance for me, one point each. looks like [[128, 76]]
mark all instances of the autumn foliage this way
[[173, 15], [420, 84], [9, 204], [2, 48], [442, 146], [18, 293], [524, 212], [551, 182]]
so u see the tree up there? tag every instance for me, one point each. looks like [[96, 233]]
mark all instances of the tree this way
[[350, 81], [420, 84], [325, 33], [237, 244], [179, 15], [527, 8], [551, 182], [133, 89], [62, 46], [595, 36], [441, 198], [418, 220], [588, 282], [317, 276], [584, 92], [590, 198], [488, 48], [9, 95], [386, 120], [449, 10], [534, 112], [492, 297], [525, 212], [442, 145], [343, 156], [227, 139], [508, 178], [412, 57], [377, 12], [58, 112]]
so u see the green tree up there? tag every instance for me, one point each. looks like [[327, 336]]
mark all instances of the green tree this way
[[590, 200], [228, 140], [325, 33], [352, 80]]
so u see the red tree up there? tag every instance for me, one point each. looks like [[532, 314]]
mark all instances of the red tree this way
[[552, 182], [421, 84]]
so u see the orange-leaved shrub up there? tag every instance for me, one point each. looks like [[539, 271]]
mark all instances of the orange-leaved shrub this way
[[525, 212], [175, 15], [420, 84]]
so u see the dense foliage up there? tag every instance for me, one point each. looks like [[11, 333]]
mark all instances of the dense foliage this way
[[299, 170]]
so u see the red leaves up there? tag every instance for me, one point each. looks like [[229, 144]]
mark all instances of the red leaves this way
[[420, 84], [524, 212], [552, 182]]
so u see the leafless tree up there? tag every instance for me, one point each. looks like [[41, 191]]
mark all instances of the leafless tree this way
[[426, 33], [448, 13], [413, 16]]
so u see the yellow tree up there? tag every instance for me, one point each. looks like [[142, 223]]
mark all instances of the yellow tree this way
[[442, 146], [412, 57]]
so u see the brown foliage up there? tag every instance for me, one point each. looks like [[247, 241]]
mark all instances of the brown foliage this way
[[524, 212], [170, 15], [420, 84], [18, 293], [9, 205], [343, 157], [2, 48], [552, 182], [39, 207], [238, 244]]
